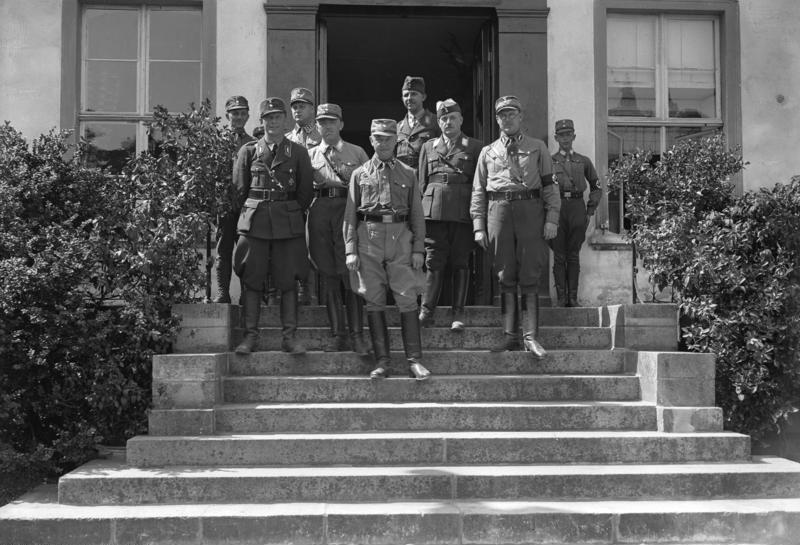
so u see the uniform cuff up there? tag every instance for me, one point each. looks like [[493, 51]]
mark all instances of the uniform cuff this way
[[478, 224], [552, 216]]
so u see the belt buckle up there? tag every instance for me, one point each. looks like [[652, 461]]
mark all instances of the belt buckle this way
[[387, 218], [445, 177], [568, 194], [509, 195]]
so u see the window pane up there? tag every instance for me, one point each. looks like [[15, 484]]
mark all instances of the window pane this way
[[174, 85], [109, 144], [110, 86], [622, 140], [691, 68], [112, 34], [176, 35], [674, 134], [631, 66]]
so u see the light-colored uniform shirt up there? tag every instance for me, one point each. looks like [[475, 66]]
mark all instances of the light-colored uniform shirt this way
[[333, 165]]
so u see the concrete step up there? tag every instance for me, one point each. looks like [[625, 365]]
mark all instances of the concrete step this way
[[384, 416], [439, 362], [105, 482], [486, 316], [452, 388], [38, 518], [439, 338], [431, 448]]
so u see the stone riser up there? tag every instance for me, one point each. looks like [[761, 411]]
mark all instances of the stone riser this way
[[477, 338], [439, 389], [480, 448], [96, 484]]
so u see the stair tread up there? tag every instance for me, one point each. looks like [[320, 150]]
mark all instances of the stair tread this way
[[425, 404]]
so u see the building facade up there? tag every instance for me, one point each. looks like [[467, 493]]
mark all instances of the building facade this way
[[630, 73]]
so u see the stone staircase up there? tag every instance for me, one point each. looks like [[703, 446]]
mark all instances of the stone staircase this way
[[612, 438]]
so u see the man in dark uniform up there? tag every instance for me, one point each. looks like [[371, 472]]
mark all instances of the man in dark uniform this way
[[418, 126], [446, 169], [574, 173], [514, 209], [237, 111], [334, 161], [384, 238], [275, 176], [305, 133]]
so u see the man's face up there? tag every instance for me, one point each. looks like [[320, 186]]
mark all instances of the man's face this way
[[302, 112], [509, 120], [329, 128], [274, 125], [451, 124], [565, 139], [413, 100], [238, 118], [383, 145]]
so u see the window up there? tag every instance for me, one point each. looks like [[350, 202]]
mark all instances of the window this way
[[132, 59], [663, 83]]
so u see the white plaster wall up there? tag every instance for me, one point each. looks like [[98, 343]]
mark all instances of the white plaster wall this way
[[241, 54], [30, 65], [770, 46]]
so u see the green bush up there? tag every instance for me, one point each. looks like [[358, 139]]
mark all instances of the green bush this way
[[90, 266], [732, 264]]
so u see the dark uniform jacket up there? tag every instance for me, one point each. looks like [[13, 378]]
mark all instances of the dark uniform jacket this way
[[445, 177], [574, 173], [288, 173], [409, 141]]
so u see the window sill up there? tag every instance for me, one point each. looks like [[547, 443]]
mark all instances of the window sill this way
[[606, 241]]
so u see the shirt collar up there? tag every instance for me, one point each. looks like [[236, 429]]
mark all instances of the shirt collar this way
[[304, 128], [448, 142], [377, 163], [337, 146], [504, 138], [415, 117]]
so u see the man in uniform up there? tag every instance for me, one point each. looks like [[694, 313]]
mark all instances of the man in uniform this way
[[514, 209], [574, 173], [334, 161], [237, 111], [275, 176], [446, 169], [384, 237], [418, 126], [305, 133]]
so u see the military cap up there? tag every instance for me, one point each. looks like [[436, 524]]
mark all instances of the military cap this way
[[236, 102], [270, 106], [564, 125], [506, 102], [447, 106], [329, 111], [301, 94], [414, 83], [385, 127]]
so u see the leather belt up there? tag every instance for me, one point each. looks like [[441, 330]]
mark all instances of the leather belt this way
[[383, 218], [272, 195], [572, 194], [448, 178], [526, 194], [331, 192]]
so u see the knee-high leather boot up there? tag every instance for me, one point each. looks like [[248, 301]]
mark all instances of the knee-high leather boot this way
[[508, 307], [380, 343], [223, 278], [412, 343], [433, 286], [251, 312], [573, 273], [530, 325], [460, 287], [337, 342], [560, 279], [289, 321], [355, 321]]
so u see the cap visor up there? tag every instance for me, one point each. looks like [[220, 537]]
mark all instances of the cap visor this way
[[328, 116]]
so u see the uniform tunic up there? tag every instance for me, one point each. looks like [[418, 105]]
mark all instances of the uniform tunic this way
[[271, 224], [227, 225], [507, 169], [446, 170], [307, 136], [384, 225], [333, 166], [410, 139]]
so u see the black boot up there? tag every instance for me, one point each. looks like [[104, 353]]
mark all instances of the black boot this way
[[560, 279], [380, 343], [460, 287], [355, 321], [251, 312], [412, 343], [337, 342], [433, 286], [223, 278], [289, 321], [508, 307], [530, 325], [573, 273]]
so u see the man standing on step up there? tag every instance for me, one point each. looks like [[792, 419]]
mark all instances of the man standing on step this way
[[334, 161], [515, 207], [275, 175], [574, 173], [446, 169], [237, 111], [418, 126], [384, 237]]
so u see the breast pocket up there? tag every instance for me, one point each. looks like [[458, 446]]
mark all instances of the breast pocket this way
[[368, 189], [528, 161]]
